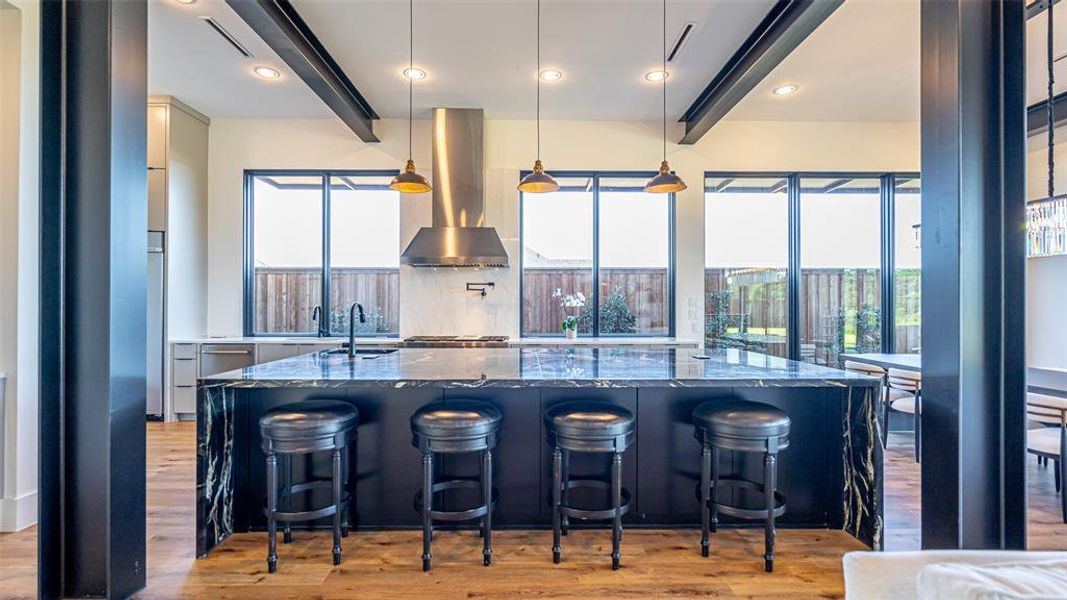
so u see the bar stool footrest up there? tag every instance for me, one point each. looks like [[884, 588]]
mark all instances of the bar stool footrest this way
[[309, 515], [458, 515], [726, 483], [592, 515]]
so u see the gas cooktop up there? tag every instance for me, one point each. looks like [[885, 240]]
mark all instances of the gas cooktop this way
[[456, 341]]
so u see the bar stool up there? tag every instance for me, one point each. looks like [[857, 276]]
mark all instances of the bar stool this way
[[741, 426], [588, 427], [455, 427], [304, 428]]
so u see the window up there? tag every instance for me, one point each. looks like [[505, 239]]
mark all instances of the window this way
[[907, 299], [316, 242], [600, 228], [812, 265], [746, 263], [840, 258]]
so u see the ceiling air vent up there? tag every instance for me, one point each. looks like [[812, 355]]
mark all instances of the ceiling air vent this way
[[676, 47], [226, 35]]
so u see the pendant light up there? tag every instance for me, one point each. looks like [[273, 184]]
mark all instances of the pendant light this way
[[409, 181], [664, 182], [538, 182]]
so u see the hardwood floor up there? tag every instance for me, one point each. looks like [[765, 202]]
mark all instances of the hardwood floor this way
[[656, 564]]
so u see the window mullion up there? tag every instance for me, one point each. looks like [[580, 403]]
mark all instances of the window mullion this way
[[325, 288], [596, 255]]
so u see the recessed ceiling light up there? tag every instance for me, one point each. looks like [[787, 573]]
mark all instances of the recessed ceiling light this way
[[551, 75], [267, 72], [656, 75], [785, 90], [185, 1], [414, 73]]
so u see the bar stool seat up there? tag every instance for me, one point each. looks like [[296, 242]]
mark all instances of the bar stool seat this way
[[742, 421], [456, 419], [454, 427], [311, 418], [581, 426], [740, 426], [305, 428]]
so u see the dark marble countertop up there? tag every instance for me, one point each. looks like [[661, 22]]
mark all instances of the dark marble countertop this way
[[541, 367]]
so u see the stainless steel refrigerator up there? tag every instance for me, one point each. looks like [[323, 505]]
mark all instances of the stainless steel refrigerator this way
[[156, 339]]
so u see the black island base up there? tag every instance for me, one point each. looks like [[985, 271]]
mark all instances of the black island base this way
[[830, 475]]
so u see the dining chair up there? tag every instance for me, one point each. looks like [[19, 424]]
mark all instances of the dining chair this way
[[904, 395], [1049, 442]]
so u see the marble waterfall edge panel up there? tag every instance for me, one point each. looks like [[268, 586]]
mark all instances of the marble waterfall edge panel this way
[[862, 494], [215, 420]]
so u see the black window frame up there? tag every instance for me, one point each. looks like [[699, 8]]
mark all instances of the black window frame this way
[[887, 181], [595, 176], [248, 245]]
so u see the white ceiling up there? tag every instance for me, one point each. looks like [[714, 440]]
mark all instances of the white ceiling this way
[[477, 54], [188, 60], [862, 64]]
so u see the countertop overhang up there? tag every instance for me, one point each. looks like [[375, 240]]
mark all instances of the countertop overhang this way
[[541, 367]]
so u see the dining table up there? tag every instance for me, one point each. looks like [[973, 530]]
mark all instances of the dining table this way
[[1050, 381]]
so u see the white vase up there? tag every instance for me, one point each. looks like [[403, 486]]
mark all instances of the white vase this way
[[572, 333]]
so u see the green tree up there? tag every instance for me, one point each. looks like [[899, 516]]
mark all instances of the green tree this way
[[615, 314]]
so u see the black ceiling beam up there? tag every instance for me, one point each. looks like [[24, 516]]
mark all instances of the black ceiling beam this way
[[277, 22], [1038, 6], [787, 24], [1037, 114]]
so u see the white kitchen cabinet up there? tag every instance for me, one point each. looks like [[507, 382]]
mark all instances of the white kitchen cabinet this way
[[157, 135], [271, 352], [318, 347], [157, 199]]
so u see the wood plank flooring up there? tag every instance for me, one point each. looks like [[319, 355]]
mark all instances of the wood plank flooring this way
[[656, 564]]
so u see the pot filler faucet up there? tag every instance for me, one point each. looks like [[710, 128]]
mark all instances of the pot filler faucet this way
[[356, 306]]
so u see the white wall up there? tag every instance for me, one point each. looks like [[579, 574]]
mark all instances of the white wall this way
[[10, 51], [435, 301], [1046, 277], [18, 504]]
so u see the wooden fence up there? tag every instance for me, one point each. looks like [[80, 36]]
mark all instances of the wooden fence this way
[[646, 293], [286, 297], [760, 304]]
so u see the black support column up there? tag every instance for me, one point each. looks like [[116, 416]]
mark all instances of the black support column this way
[[973, 153], [93, 287]]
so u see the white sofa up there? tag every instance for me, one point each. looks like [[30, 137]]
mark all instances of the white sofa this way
[[893, 575]]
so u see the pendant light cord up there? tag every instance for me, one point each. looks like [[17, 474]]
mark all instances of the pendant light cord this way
[[664, 57], [538, 79], [411, 64], [1049, 112]]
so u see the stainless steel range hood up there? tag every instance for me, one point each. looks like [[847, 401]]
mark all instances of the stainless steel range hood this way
[[459, 237]]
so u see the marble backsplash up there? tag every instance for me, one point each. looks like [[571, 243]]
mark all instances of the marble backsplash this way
[[435, 301]]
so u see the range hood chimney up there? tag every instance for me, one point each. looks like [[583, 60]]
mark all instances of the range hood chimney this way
[[458, 237]]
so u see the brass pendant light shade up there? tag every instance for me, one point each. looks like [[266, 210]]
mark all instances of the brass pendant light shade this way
[[538, 182], [410, 182], [664, 182]]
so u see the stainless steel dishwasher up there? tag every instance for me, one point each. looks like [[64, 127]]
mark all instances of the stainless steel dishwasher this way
[[218, 358]]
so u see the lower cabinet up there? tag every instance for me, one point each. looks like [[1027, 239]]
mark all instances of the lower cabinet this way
[[192, 360]]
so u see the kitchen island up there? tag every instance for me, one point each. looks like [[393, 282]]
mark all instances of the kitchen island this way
[[831, 474]]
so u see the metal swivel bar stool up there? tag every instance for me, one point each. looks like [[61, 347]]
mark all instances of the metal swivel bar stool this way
[[588, 427], [305, 428], [454, 427], [741, 426]]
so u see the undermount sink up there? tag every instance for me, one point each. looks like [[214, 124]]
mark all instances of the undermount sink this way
[[365, 351]]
